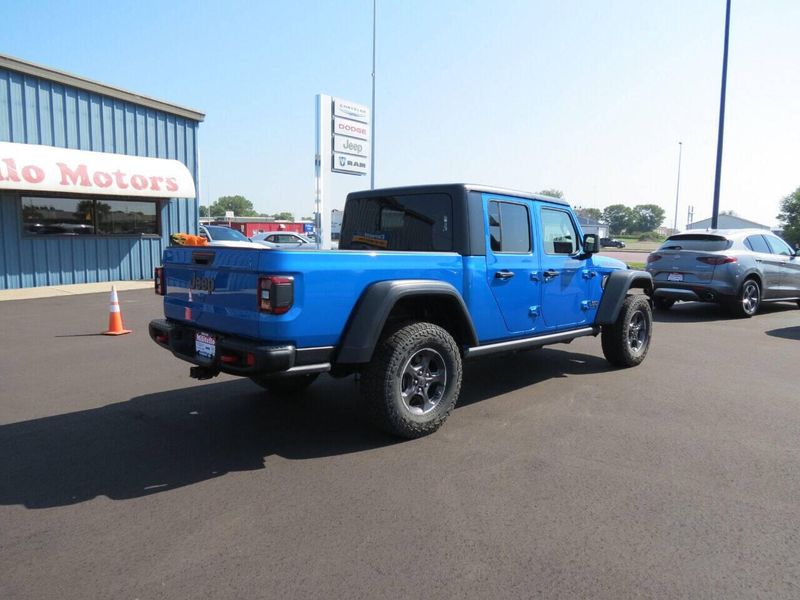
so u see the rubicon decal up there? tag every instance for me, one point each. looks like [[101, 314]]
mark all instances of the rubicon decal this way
[[44, 168]]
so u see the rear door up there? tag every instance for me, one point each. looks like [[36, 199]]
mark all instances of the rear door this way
[[565, 289], [511, 264]]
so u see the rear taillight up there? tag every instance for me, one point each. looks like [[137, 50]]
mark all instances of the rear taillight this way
[[653, 257], [275, 294], [160, 282], [716, 260]]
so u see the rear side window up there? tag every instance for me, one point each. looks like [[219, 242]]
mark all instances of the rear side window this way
[[756, 243], [558, 232], [509, 227], [696, 241], [421, 222]]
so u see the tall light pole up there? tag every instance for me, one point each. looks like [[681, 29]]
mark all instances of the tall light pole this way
[[678, 187], [715, 210], [372, 111]]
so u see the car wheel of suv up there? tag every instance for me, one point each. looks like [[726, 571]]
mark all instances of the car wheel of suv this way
[[748, 301], [626, 341], [285, 386], [413, 381], [663, 303]]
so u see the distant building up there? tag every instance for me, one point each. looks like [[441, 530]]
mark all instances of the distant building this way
[[728, 222], [251, 226], [593, 226]]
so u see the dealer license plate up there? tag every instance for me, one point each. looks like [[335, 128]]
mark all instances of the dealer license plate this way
[[204, 344], [675, 277]]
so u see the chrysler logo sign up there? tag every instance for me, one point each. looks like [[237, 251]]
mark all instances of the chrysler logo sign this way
[[350, 110]]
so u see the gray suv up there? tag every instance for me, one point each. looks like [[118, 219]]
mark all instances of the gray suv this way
[[739, 268]]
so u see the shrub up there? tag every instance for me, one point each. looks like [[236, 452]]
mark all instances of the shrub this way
[[651, 236]]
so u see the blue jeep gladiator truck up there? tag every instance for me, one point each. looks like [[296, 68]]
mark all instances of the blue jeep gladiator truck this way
[[425, 278]]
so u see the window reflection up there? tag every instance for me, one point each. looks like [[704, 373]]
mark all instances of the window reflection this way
[[85, 216]]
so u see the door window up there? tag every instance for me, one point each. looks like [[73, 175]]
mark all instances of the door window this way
[[559, 233], [509, 227], [778, 246]]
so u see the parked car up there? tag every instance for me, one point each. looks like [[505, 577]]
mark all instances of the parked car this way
[[281, 239], [739, 269], [220, 235], [611, 243]]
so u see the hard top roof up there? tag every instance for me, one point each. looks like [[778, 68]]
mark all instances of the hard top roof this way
[[450, 187]]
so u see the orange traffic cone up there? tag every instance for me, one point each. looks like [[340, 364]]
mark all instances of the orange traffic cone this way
[[115, 316]]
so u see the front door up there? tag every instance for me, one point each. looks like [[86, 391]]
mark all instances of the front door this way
[[511, 265], [565, 281], [783, 257]]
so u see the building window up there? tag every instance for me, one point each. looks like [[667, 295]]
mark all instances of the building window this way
[[88, 216]]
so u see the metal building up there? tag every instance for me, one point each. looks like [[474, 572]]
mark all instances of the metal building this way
[[93, 179]]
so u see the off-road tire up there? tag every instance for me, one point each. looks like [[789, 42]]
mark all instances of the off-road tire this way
[[285, 386], [748, 301], [627, 340], [663, 303], [418, 353]]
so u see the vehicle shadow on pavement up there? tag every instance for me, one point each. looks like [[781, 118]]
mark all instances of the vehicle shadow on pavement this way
[[495, 375], [166, 440], [706, 312], [162, 441], [787, 333]]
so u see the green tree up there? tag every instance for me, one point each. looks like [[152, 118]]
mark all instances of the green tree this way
[[241, 207], [204, 211], [647, 217], [590, 213], [619, 217], [789, 217], [283, 216], [553, 193]]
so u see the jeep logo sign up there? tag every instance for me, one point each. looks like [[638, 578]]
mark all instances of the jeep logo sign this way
[[350, 146]]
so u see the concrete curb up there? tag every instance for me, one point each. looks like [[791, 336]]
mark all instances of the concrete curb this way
[[72, 290]]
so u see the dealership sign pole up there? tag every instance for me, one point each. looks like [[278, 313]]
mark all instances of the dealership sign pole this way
[[343, 146]]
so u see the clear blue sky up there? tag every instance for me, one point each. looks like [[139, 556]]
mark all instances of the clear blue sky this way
[[590, 97]]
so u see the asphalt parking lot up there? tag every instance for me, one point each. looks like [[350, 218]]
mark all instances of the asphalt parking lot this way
[[556, 476]]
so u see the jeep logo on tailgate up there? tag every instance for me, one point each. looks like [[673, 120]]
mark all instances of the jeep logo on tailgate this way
[[202, 283]]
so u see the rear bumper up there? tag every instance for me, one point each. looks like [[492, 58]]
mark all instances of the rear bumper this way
[[239, 356], [691, 292]]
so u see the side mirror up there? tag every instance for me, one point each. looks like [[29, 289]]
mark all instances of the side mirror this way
[[591, 243]]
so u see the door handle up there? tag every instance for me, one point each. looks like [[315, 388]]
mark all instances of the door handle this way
[[550, 274], [503, 274]]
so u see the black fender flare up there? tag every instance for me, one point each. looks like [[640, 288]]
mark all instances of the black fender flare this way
[[615, 290], [376, 303]]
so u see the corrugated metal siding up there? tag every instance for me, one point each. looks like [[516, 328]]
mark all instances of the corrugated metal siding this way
[[37, 111]]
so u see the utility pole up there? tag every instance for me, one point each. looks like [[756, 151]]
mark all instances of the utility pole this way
[[715, 209], [678, 187], [372, 110]]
